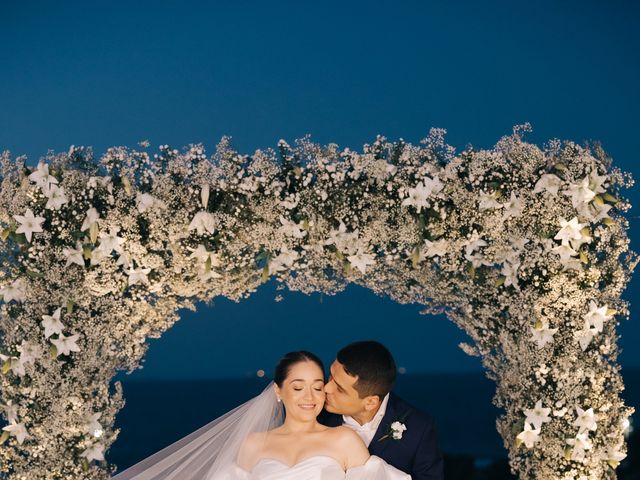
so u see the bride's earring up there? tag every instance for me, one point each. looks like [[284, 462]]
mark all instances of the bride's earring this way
[[279, 399]]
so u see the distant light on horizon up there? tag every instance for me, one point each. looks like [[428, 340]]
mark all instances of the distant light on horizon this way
[[402, 370], [260, 373]]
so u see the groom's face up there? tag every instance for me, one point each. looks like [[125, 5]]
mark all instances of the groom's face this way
[[342, 397]]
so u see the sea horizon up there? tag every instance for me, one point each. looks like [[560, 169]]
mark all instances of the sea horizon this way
[[158, 412]]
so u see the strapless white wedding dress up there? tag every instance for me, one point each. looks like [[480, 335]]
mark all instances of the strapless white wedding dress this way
[[319, 467]]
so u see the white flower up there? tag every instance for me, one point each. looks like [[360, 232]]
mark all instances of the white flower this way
[[567, 255], [580, 443], [614, 456], [205, 274], [146, 201], [570, 230], [124, 260], [283, 261], [594, 212], [471, 245], [91, 218], [513, 208], [111, 241], [203, 222], [66, 345], [345, 242], [538, 415], [137, 276], [518, 243], [585, 237], [529, 436], [29, 224], [17, 366], [56, 197], [488, 201], [207, 261], [42, 178], [17, 430], [29, 352], [586, 420], [105, 181], [510, 272], [437, 248], [596, 182], [549, 183], [74, 255], [204, 195], [98, 255], [596, 316], [584, 336], [542, 334], [52, 324], [11, 411], [292, 229], [564, 251], [474, 243], [93, 426], [398, 429], [334, 235], [433, 185], [418, 196], [580, 193], [201, 254], [94, 452], [16, 291], [361, 260]]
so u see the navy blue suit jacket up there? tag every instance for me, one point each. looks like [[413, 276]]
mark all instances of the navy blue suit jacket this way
[[416, 453]]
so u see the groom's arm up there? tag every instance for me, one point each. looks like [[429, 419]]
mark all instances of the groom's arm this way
[[428, 462]]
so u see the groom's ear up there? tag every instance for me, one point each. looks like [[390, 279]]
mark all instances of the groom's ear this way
[[372, 402]]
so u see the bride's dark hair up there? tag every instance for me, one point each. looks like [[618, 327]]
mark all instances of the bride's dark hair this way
[[289, 360]]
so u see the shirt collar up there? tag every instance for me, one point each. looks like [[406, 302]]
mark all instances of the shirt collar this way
[[375, 421]]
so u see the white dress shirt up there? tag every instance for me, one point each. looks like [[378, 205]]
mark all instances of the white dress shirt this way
[[368, 430]]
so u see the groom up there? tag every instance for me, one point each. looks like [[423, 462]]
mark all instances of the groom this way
[[358, 395]]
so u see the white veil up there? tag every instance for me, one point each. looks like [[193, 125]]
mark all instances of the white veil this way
[[213, 449]]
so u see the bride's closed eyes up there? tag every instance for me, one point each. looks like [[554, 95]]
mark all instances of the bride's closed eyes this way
[[318, 385]]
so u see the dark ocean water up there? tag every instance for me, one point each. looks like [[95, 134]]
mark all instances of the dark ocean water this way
[[157, 413]]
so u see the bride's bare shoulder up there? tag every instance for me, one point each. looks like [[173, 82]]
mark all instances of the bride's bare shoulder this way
[[344, 435], [251, 449], [351, 446]]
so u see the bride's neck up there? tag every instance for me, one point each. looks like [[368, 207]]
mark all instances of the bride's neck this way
[[295, 426]]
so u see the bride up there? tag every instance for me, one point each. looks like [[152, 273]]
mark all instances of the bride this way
[[275, 435]]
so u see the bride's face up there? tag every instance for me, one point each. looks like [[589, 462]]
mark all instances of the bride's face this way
[[302, 392]]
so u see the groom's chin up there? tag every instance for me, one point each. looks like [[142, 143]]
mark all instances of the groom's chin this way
[[330, 408]]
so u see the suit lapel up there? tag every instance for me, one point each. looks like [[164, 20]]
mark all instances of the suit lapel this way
[[331, 419], [377, 446]]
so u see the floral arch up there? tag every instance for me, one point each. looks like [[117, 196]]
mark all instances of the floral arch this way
[[524, 248]]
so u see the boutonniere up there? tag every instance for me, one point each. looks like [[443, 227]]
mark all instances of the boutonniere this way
[[396, 429]]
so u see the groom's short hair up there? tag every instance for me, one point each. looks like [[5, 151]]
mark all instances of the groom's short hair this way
[[372, 364]]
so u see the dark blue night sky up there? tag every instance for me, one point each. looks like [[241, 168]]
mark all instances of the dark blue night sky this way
[[106, 73]]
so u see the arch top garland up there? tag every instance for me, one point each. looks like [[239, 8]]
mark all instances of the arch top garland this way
[[524, 248]]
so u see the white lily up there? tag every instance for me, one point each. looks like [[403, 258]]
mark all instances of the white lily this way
[[29, 224]]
